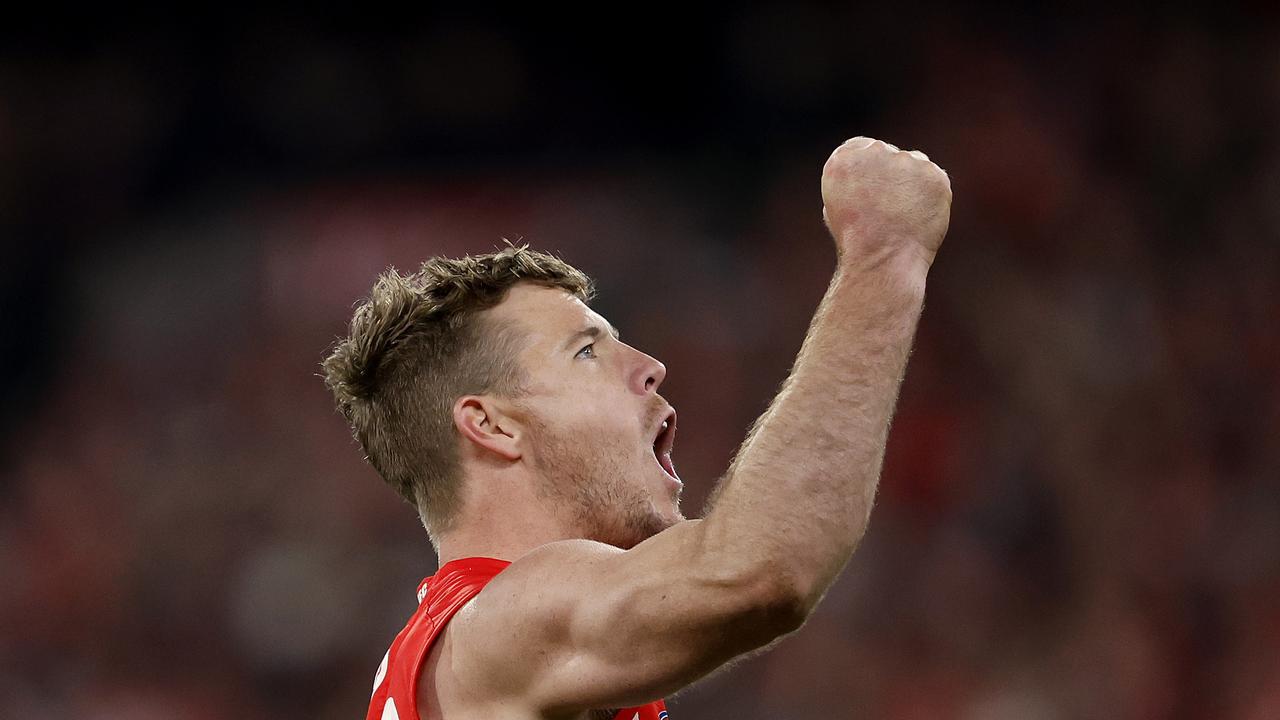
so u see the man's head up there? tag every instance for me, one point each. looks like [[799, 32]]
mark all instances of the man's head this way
[[462, 368], [589, 421]]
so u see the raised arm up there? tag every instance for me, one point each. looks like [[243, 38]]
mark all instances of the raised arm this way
[[577, 625], [797, 498]]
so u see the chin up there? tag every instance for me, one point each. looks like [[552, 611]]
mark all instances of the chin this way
[[636, 527], [662, 521]]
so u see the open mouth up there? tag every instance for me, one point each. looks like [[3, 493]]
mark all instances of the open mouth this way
[[663, 444]]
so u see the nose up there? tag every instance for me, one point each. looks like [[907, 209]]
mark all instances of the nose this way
[[648, 374]]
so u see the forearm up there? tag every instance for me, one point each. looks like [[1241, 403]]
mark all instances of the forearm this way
[[797, 498]]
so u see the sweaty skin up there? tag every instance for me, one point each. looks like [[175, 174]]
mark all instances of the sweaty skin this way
[[577, 624]]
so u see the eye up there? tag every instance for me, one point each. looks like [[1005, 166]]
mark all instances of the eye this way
[[589, 350]]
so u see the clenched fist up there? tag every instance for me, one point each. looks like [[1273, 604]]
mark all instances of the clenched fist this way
[[878, 199]]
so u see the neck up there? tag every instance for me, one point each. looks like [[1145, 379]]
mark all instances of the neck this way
[[502, 525], [495, 540]]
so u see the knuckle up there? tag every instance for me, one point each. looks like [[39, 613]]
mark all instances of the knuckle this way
[[853, 145]]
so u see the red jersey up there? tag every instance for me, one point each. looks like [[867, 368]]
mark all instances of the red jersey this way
[[395, 687]]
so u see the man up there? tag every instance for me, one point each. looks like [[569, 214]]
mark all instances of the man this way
[[537, 450]]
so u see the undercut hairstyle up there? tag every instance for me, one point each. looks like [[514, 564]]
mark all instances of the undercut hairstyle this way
[[417, 344]]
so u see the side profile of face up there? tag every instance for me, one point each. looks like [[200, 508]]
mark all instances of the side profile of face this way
[[598, 434]]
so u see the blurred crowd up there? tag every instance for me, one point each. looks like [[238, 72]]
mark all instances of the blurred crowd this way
[[1080, 511]]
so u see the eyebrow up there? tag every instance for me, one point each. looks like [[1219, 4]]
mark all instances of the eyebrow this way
[[591, 331]]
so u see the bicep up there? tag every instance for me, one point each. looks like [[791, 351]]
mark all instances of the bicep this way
[[577, 624]]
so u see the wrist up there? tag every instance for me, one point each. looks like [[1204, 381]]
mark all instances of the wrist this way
[[905, 266]]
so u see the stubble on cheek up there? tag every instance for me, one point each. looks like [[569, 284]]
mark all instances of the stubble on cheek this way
[[593, 491]]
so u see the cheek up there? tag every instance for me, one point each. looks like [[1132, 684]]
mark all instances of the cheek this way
[[586, 433], [610, 442], [600, 413], [595, 418]]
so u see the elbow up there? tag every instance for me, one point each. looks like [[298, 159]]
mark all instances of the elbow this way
[[778, 606], [760, 595], [787, 612]]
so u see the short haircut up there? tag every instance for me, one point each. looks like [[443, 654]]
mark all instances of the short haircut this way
[[415, 346]]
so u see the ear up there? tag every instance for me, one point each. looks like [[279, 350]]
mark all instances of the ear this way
[[481, 421]]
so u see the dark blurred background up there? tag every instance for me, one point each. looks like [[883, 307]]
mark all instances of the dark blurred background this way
[[1079, 516]]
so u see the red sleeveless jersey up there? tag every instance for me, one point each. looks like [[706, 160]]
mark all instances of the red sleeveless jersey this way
[[395, 686]]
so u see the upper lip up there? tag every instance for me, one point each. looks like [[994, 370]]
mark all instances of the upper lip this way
[[664, 440]]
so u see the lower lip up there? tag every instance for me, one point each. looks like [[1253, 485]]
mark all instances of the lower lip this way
[[672, 478]]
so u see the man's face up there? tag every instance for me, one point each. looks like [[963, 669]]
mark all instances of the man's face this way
[[595, 419]]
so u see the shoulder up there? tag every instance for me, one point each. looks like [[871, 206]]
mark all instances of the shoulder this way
[[533, 584], [521, 616], [557, 562]]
